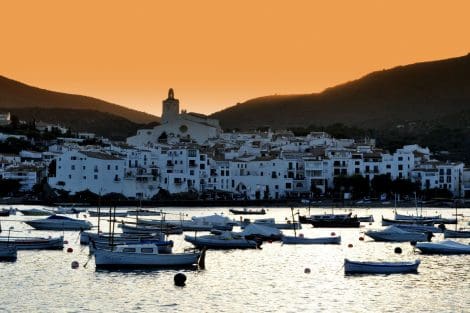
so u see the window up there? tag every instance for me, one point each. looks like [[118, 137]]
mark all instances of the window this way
[[400, 158], [117, 167], [84, 177], [70, 176], [146, 250], [84, 167], [400, 167], [288, 185], [449, 179], [128, 250], [449, 172], [73, 167], [73, 158], [95, 176], [191, 172], [109, 167]]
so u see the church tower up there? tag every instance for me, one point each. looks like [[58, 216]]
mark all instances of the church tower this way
[[171, 108]]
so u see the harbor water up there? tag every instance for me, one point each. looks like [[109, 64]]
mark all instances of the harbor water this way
[[273, 279]]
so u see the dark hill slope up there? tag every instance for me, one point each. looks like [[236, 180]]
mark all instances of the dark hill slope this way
[[14, 94], [427, 91]]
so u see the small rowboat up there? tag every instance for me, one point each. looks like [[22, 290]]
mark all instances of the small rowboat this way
[[356, 267], [32, 243]]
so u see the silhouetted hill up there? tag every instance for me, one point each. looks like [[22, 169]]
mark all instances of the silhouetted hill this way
[[14, 94], [430, 91]]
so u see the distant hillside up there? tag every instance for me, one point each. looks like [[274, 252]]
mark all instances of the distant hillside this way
[[14, 94], [103, 124], [429, 91]]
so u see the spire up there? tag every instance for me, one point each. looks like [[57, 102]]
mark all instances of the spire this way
[[171, 94]]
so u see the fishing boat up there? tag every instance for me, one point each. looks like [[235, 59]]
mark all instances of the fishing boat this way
[[164, 246], [396, 234], [246, 211], [308, 219], [59, 222], [335, 220], [33, 243], [436, 219], [301, 240], [142, 255], [8, 253], [456, 233], [357, 267], [224, 241], [35, 212], [271, 223], [140, 229], [443, 247]]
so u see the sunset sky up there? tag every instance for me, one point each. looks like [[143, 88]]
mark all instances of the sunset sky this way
[[217, 53]]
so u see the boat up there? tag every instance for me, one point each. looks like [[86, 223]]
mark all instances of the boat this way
[[456, 233], [272, 223], [301, 240], [437, 219], [68, 210], [4, 212], [224, 241], [59, 222], [357, 267], [87, 236], [262, 232], [140, 229], [388, 222], [164, 246], [143, 212], [308, 219], [32, 243], [142, 255], [335, 220], [366, 219], [246, 211], [107, 214], [35, 212], [396, 234], [202, 223], [8, 253], [443, 247], [420, 228]]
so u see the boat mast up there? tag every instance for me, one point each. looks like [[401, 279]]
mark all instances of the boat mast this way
[[293, 221]]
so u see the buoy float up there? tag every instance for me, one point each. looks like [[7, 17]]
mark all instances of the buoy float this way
[[75, 264], [69, 250], [398, 250], [333, 233], [350, 245], [307, 270], [361, 238], [180, 279], [66, 242]]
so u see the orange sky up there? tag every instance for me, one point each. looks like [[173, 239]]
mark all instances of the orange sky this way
[[217, 53]]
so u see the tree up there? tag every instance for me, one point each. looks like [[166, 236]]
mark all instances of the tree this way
[[381, 184], [14, 121], [404, 186], [9, 186]]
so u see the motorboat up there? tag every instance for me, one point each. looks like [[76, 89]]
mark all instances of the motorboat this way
[[443, 247], [143, 212], [67, 210], [8, 253], [142, 255], [32, 243], [272, 223], [223, 241], [59, 222], [396, 234], [301, 240], [420, 228], [308, 219], [141, 229], [456, 233], [35, 212], [246, 211], [360, 267], [164, 246]]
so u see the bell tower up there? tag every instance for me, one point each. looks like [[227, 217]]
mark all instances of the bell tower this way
[[171, 108]]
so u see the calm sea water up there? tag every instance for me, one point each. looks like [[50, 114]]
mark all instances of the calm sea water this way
[[267, 280]]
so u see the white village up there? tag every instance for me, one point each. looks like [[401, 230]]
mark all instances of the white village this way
[[189, 153]]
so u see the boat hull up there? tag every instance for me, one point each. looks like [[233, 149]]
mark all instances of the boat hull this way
[[396, 237], [353, 267], [221, 244], [25, 243], [456, 234], [247, 212], [122, 260], [46, 225], [445, 247], [291, 240]]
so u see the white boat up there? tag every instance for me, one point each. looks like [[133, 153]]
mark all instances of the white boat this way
[[301, 240], [357, 267], [205, 223], [142, 255], [31, 243], [8, 253], [226, 240], [35, 212], [443, 247], [262, 232], [59, 222], [420, 228], [67, 210], [456, 233], [437, 219], [396, 234]]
